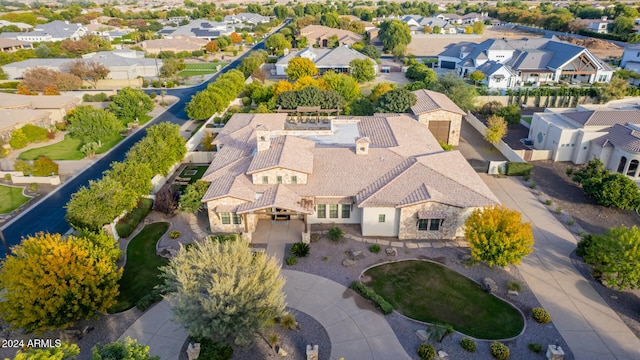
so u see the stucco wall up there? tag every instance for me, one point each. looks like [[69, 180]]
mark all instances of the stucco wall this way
[[215, 223], [355, 215], [441, 115], [372, 227]]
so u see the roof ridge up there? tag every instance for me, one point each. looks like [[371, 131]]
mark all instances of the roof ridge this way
[[385, 179]]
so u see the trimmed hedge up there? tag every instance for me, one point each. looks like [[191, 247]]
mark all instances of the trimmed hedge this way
[[369, 294], [130, 222], [426, 352], [499, 350], [151, 298], [519, 168], [468, 344], [541, 315]]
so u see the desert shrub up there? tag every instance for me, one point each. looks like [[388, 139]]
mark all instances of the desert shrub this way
[[426, 351], [548, 202], [18, 139], [491, 108], [288, 321], [468, 344], [314, 237], [292, 260], [174, 234], [153, 95], [518, 168], [375, 248], [211, 350], [536, 348], [370, 294], [101, 97], [33, 187], [514, 286], [335, 233], [499, 350], [540, 315], [300, 249]]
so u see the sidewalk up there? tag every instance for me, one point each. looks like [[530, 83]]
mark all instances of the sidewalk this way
[[355, 328], [588, 325]]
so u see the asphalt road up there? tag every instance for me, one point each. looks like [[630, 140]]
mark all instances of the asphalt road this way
[[48, 215]]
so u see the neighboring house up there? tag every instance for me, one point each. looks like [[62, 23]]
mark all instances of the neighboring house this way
[[599, 26], [440, 114], [11, 45], [122, 64], [337, 59], [175, 44], [106, 32], [201, 29], [367, 25], [44, 111], [246, 18], [386, 173], [474, 17], [417, 24], [631, 58], [319, 35], [582, 134], [21, 26], [54, 31], [513, 63]]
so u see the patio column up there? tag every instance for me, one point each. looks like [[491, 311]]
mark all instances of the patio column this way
[[246, 223], [306, 223]]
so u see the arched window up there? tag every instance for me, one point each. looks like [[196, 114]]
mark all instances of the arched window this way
[[633, 167], [622, 164]]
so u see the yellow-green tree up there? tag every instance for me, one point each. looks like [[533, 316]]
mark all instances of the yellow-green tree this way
[[49, 282], [65, 351], [299, 67], [498, 236], [496, 129]]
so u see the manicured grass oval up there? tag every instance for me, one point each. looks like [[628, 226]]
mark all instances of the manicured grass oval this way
[[11, 198], [430, 292]]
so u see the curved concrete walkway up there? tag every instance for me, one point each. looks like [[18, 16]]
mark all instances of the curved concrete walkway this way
[[355, 328]]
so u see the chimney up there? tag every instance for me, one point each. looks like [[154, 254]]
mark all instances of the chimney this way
[[604, 18], [263, 138], [362, 146]]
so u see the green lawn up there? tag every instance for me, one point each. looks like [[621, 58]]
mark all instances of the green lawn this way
[[201, 69], [67, 149], [11, 198], [141, 270], [527, 118], [200, 171], [430, 292]]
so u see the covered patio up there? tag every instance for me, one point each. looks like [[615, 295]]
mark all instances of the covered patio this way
[[275, 235]]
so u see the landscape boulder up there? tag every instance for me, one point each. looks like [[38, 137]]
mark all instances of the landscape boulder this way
[[489, 285]]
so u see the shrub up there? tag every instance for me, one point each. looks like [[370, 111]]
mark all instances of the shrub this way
[[101, 97], [300, 249], [548, 202], [518, 168], [559, 210], [18, 139], [426, 351], [33, 187], [51, 135], [288, 321], [151, 298], [375, 248], [246, 101], [61, 126], [499, 350], [7, 177], [153, 95], [468, 344], [583, 244], [292, 260], [34, 133], [536, 348], [532, 185], [369, 294], [211, 350], [445, 146], [23, 166], [44, 166], [273, 340], [541, 315], [335, 233], [314, 237], [174, 234], [514, 286], [130, 222], [197, 53], [571, 222]]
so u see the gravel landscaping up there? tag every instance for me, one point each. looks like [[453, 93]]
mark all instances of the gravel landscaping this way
[[326, 260]]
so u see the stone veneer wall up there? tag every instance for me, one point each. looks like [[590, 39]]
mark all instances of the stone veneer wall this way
[[274, 173], [441, 115], [215, 223], [452, 227]]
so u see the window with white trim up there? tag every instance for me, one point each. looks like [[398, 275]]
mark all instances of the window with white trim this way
[[225, 218], [321, 209], [346, 211], [333, 211]]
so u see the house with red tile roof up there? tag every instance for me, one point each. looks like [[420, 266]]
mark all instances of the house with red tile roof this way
[[386, 173]]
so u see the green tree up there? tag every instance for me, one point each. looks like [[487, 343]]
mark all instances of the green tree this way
[[361, 107], [333, 42], [162, 148], [191, 200], [49, 282], [18, 139], [615, 256], [608, 189], [497, 236], [303, 42], [129, 349], [88, 70], [468, 29], [343, 84], [44, 166], [130, 104], [253, 62], [204, 104], [478, 28], [396, 101], [421, 72], [437, 29], [496, 129], [394, 33], [299, 67], [371, 51], [93, 125], [171, 67], [615, 89], [379, 90], [399, 51], [476, 76], [98, 204], [277, 42], [65, 351], [457, 90], [510, 113], [622, 25], [362, 70], [221, 291], [135, 179]]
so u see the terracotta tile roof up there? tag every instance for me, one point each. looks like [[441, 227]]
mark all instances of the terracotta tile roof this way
[[428, 101], [288, 152], [604, 117], [276, 196]]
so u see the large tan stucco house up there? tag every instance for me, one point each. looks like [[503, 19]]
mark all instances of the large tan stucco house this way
[[386, 173], [441, 115]]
